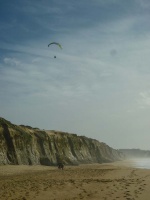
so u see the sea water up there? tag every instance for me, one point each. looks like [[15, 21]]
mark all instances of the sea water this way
[[143, 163]]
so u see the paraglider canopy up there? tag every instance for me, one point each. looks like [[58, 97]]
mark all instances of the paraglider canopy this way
[[56, 43]]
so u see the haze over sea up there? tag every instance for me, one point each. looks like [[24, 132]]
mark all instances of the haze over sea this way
[[143, 163]]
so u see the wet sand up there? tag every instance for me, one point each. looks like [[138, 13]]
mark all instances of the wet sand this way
[[96, 181]]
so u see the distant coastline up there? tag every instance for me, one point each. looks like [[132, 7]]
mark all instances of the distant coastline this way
[[135, 153]]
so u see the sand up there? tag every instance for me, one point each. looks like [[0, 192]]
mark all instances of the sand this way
[[94, 181]]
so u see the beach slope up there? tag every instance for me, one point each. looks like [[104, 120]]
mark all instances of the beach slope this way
[[95, 181]]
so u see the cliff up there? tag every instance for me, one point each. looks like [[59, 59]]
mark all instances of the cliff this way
[[32, 146]]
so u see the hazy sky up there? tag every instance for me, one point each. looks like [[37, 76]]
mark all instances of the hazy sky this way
[[99, 84]]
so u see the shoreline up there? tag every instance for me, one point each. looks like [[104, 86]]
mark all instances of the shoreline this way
[[107, 181]]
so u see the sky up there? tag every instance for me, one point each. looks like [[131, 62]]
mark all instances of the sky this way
[[99, 83]]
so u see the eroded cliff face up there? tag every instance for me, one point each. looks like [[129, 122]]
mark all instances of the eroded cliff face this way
[[32, 146]]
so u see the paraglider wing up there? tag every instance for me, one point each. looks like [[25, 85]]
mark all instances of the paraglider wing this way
[[56, 44]]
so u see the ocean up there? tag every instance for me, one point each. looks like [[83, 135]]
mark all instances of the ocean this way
[[143, 163]]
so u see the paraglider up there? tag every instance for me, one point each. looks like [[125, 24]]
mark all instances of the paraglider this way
[[56, 43]]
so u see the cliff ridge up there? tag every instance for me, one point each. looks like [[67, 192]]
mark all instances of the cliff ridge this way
[[20, 144]]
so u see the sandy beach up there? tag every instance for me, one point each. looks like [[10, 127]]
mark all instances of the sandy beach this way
[[96, 181]]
